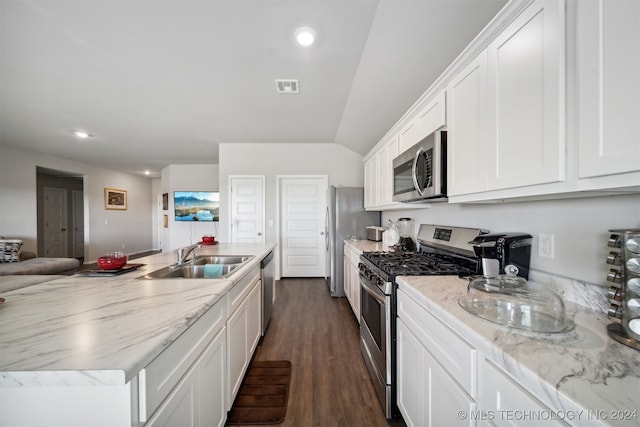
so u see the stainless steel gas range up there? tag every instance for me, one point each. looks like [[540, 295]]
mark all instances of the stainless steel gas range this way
[[441, 250]]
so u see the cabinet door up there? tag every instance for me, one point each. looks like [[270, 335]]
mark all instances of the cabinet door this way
[[180, 407], [408, 136], [198, 399], [237, 351], [526, 99], [466, 138], [370, 182], [254, 318], [346, 271], [384, 171], [609, 88], [211, 383], [427, 395], [355, 286], [503, 399], [448, 400], [413, 381], [433, 116]]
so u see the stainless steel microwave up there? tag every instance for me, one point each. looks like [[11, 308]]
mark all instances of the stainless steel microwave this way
[[420, 172]]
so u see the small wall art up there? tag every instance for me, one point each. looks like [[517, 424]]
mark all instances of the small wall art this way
[[115, 199], [165, 201]]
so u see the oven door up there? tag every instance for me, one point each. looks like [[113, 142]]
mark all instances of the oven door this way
[[375, 337]]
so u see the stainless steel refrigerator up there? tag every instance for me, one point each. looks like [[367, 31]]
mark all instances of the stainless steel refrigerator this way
[[345, 218]]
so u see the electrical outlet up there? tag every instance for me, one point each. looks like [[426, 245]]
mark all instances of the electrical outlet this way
[[546, 247]]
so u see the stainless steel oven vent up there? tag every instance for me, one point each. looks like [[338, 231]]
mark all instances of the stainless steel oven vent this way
[[287, 86]]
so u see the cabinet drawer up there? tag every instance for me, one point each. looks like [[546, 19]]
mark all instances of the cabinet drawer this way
[[352, 255], [455, 354], [158, 379], [239, 292], [503, 398]]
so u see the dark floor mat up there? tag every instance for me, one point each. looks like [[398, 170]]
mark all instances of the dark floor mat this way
[[263, 395]]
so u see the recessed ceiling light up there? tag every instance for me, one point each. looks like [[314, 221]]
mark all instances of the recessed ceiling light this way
[[305, 36], [147, 172], [81, 134]]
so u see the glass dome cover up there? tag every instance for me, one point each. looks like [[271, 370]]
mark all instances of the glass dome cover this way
[[511, 301]]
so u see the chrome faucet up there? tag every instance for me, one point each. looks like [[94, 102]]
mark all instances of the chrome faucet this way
[[183, 253]]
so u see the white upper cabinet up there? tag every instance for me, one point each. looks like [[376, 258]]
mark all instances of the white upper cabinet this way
[[384, 177], [506, 109], [370, 182], [432, 116], [408, 136], [428, 119], [378, 174], [609, 87], [378, 167], [467, 137], [544, 103], [526, 99]]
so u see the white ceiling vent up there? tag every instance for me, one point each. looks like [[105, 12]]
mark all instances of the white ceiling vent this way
[[287, 86]]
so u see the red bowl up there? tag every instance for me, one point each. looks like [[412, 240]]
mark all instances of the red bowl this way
[[208, 240], [111, 263]]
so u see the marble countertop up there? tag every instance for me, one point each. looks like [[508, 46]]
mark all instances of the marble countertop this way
[[103, 330], [367, 246], [579, 370]]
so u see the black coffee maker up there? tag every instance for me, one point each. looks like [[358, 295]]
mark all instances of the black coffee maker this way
[[497, 250]]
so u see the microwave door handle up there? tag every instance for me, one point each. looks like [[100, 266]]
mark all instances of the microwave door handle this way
[[417, 186]]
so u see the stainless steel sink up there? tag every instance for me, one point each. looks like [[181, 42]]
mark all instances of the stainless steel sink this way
[[201, 267], [220, 259]]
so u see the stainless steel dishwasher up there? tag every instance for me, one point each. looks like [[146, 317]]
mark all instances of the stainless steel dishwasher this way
[[268, 279]]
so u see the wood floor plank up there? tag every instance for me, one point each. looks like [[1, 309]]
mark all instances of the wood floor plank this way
[[330, 384]]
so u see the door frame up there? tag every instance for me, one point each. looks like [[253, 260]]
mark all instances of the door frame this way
[[230, 204], [279, 178]]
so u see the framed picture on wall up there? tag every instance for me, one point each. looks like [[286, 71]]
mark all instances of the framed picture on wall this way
[[165, 201], [115, 199]]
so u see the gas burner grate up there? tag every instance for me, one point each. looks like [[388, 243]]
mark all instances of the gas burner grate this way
[[420, 264]]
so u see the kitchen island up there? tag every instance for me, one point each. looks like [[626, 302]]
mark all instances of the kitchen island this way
[[94, 337]]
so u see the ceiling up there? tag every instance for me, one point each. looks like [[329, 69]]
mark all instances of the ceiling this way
[[164, 82]]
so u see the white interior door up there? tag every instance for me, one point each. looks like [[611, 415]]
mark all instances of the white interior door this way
[[247, 209], [77, 215], [55, 222], [303, 202]]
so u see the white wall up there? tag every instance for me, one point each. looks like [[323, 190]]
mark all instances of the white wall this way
[[105, 230], [342, 166], [186, 178], [579, 227]]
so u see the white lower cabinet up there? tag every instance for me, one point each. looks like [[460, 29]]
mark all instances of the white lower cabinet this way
[[243, 330], [436, 369], [351, 279], [199, 397], [505, 403], [439, 384], [427, 395]]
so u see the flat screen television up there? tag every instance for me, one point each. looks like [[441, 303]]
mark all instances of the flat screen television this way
[[201, 206]]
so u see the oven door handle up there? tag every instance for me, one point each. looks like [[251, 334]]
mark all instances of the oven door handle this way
[[364, 284]]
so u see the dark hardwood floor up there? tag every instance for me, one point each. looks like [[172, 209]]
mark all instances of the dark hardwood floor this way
[[330, 384]]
